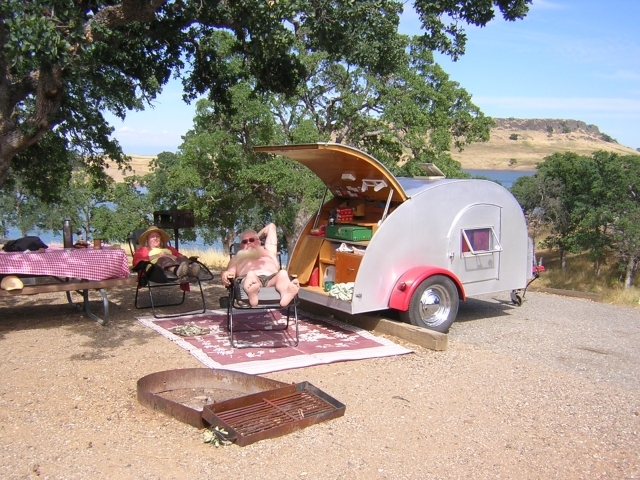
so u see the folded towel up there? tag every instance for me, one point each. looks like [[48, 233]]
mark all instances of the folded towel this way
[[344, 248], [342, 291]]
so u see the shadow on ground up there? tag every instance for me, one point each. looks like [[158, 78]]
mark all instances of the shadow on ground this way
[[52, 311]]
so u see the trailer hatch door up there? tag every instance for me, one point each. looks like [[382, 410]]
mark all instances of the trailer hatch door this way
[[345, 170]]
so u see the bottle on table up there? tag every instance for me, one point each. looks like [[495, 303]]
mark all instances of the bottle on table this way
[[67, 234]]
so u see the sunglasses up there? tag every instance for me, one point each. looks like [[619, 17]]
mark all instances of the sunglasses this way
[[248, 240]]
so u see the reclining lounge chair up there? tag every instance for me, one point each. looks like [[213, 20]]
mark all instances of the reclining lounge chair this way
[[164, 289], [268, 302]]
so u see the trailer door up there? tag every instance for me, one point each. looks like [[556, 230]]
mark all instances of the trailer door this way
[[474, 243]]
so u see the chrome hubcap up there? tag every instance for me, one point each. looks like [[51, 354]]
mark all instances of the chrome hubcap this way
[[435, 305]]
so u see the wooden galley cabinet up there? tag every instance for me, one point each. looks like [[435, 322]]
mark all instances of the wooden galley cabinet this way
[[347, 265]]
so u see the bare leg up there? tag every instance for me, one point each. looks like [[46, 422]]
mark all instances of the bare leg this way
[[287, 288], [251, 284]]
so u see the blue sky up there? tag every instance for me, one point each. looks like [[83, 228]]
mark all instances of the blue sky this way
[[568, 59]]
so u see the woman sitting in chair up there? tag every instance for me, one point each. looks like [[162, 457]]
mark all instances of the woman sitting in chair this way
[[154, 249]]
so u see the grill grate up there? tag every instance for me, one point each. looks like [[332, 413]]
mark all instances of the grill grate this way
[[272, 413]]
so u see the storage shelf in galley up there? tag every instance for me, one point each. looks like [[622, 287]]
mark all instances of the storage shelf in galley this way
[[339, 240], [356, 222]]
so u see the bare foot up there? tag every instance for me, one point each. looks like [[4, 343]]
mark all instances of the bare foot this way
[[252, 288], [289, 293]]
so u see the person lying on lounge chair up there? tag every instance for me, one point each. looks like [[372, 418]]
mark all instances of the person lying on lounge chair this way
[[257, 266], [154, 249]]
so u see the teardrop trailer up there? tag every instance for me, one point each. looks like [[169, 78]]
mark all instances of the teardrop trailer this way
[[417, 245]]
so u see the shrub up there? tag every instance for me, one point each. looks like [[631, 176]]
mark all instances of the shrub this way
[[513, 136], [512, 161]]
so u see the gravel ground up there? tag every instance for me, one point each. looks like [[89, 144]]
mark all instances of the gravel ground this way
[[547, 390]]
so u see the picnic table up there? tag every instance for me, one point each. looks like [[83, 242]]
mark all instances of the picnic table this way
[[68, 270]]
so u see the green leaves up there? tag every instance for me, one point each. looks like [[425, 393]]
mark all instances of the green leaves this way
[[40, 33], [216, 436], [590, 202], [449, 38], [65, 62]]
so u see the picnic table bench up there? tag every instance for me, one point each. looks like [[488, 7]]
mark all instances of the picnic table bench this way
[[82, 287]]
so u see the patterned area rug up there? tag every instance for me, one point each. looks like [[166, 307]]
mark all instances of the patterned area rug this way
[[322, 340]]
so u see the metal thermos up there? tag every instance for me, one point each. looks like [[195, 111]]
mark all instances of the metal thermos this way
[[67, 234]]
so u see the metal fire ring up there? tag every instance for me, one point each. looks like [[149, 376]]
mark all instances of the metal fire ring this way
[[150, 386]]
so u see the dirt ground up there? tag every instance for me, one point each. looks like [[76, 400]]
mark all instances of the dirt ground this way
[[547, 390]]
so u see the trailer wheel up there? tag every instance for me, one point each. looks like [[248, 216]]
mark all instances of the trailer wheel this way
[[517, 298], [434, 304]]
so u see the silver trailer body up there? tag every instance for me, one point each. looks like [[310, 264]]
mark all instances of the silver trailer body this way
[[471, 232]]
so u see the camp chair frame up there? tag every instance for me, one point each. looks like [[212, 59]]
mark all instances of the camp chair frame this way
[[152, 277], [268, 300]]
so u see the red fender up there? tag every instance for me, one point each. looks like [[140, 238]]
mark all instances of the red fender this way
[[409, 281]]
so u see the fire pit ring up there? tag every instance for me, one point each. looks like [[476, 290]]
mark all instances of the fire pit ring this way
[[151, 386]]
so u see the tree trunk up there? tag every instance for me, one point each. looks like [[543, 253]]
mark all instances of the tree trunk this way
[[631, 266], [47, 91], [5, 165], [563, 260], [227, 240]]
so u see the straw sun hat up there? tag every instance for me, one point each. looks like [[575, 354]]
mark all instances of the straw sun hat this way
[[11, 283], [142, 240]]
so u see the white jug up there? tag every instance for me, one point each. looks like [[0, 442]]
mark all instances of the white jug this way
[[330, 274]]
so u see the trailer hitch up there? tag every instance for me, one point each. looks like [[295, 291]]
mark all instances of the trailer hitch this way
[[518, 296]]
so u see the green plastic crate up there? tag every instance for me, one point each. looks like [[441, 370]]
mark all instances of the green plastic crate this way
[[353, 233]]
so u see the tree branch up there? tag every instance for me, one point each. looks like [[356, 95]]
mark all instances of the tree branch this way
[[128, 11]]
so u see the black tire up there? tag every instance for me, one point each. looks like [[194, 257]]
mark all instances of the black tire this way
[[434, 304], [517, 299]]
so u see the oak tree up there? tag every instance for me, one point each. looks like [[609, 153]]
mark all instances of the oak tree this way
[[413, 115], [63, 63]]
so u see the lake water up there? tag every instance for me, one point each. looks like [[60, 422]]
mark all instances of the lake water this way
[[50, 239], [505, 177]]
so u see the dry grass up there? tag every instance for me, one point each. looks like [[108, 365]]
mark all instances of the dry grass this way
[[139, 165], [530, 148], [580, 276], [213, 258]]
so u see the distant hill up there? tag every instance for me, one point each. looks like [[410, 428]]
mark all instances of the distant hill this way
[[536, 139], [139, 166]]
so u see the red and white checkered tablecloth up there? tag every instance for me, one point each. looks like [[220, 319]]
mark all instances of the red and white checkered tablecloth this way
[[82, 263]]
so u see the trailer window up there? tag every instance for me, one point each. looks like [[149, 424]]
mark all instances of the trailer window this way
[[480, 240]]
